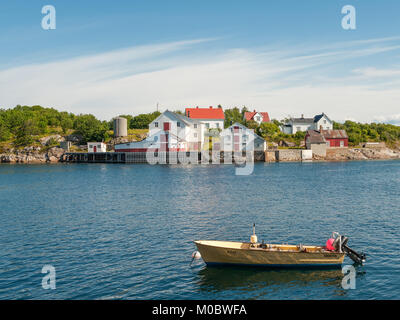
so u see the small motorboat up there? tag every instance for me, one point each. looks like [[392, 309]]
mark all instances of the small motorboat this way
[[254, 253]]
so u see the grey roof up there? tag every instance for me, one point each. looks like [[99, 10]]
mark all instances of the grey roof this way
[[314, 136], [180, 117], [303, 120], [186, 119], [310, 120], [334, 134]]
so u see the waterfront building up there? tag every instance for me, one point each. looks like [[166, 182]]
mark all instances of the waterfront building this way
[[319, 141], [96, 147], [335, 138], [66, 145], [319, 122], [237, 137], [316, 142], [168, 132], [212, 118], [259, 117]]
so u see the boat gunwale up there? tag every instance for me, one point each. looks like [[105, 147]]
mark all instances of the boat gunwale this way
[[265, 249]]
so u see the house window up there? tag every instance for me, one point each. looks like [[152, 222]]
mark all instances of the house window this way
[[217, 125], [195, 134], [195, 125], [324, 121], [341, 143], [258, 118], [207, 125], [178, 124], [156, 124]]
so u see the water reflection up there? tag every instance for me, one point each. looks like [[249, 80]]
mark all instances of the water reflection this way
[[218, 279]]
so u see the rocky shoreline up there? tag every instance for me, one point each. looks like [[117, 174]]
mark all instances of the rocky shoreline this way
[[32, 155], [44, 153], [36, 155], [343, 154]]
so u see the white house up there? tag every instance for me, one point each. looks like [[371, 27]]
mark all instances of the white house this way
[[174, 132], [168, 132], [213, 118], [97, 147], [319, 122], [256, 116], [240, 138]]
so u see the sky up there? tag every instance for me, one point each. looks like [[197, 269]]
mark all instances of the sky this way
[[286, 57]]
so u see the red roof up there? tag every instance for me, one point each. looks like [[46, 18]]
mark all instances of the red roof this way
[[249, 115], [205, 113]]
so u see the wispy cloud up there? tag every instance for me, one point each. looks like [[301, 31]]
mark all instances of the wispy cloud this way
[[372, 72], [392, 119], [281, 80]]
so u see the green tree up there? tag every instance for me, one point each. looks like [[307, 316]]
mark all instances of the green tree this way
[[66, 124], [268, 130], [362, 132], [5, 133], [251, 124], [244, 110], [142, 121], [27, 130], [233, 115], [91, 128], [299, 136]]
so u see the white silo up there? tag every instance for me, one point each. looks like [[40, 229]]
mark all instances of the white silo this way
[[120, 127]]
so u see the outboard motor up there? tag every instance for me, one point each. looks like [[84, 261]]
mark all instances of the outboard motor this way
[[340, 244]]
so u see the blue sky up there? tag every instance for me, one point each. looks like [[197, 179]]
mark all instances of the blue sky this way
[[286, 57]]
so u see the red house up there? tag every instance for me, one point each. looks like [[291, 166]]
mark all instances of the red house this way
[[335, 138], [256, 116]]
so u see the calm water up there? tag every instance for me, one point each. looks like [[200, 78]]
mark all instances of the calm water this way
[[126, 231]]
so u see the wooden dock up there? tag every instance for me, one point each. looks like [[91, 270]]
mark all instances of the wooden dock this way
[[155, 157], [98, 157]]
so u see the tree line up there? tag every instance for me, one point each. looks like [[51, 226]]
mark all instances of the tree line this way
[[22, 123], [363, 132]]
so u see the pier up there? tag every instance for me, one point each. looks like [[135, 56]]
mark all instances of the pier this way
[[161, 157]]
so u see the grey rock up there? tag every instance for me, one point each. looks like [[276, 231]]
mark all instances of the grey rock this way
[[46, 140]]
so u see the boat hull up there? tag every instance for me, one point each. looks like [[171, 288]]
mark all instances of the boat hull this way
[[239, 253]]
